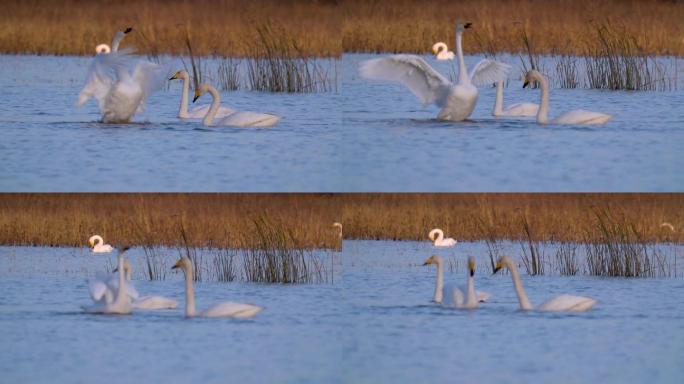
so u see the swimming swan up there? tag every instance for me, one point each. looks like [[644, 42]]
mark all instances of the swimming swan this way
[[514, 110], [338, 226], [236, 119], [441, 51], [148, 302], [450, 295], [121, 304], [197, 112], [562, 303], [440, 241], [97, 245], [225, 309], [575, 117], [120, 94], [456, 101]]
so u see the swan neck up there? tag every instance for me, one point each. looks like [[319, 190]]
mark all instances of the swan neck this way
[[183, 110], [215, 102], [471, 296], [543, 113], [117, 40], [440, 235], [121, 294], [498, 102], [462, 71], [440, 281], [189, 293], [519, 290]]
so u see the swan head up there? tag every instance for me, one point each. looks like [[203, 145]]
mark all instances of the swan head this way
[[102, 48], [439, 47], [502, 262], [532, 75], [183, 263], [94, 240], [199, 91], [471, 265], [434, 259], [179, 75], [460, 27]]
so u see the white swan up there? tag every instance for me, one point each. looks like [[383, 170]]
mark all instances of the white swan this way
[[450, 295], [148, 302], [456, 101], [440, 241], [442, 52], [120, 94], [225, 309], [197, 112], [236, 119], [514, 110], [338, 226], [97, 245], [574, 117], [562, 303], [121, 304]]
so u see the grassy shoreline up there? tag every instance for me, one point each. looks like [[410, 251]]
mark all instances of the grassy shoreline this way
[[328, 28], [305, 220]]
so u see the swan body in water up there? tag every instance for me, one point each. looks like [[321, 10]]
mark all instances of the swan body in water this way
[[97, 245], [450, 295], [442, 52], [513, 110], [235, 119], [197, 112], [121, 302], [148, 302], [120, 93], [562, 303], [225, 309], [439, 240], [456, 101], [574, 117]]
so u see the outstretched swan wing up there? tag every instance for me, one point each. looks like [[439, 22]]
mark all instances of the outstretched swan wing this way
[[412, 71], [104, 70], [151, 77], [489, 72]]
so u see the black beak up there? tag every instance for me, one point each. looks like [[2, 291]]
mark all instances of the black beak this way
[[496, 270], [425, 263], [472, 272], [467, 25], [174, 267], [195, 98], [116, 269], [172, 78], [128, 29], [526, 84]]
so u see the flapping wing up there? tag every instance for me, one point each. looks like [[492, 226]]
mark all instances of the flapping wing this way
[[151, 78], [104, 70], [421, 79], [489, 72]]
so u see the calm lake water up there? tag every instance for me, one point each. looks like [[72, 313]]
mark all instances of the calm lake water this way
[[366, 136], [393, 143], [374, 324], [48, 144]]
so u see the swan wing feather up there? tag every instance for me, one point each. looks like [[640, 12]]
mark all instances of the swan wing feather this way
[[249, 119], [567, 303], [581, 116], [488, 72], [428, 85]]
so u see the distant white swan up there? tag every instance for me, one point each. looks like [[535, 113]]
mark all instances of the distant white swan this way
[[97, 245], [514, 110], [456, 101], [225, 309], [118, 36], [562, 303], [197, 112], [236, 119], [338, 226], [120, 94], [440, 241], [148, 302], [668, 226], [442, 52], [574, 117], [451, 295], [121, 304]]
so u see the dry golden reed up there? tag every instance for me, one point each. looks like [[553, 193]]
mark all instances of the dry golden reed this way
[[305, 220], [326, 28]]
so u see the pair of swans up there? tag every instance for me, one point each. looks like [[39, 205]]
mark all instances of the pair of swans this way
[[97, 245], [464, 297], [562, 303], [225, 116], [225, 309], [456, 101], [120, 94], [437, 236]]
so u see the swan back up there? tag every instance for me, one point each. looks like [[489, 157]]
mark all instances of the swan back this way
[[231, 309], [583, 117], [567, 303]]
